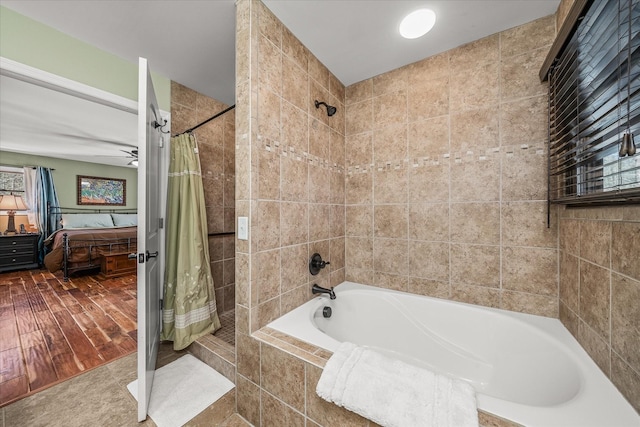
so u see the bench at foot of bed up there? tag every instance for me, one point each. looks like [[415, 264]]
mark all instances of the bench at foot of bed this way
[[116, 264]]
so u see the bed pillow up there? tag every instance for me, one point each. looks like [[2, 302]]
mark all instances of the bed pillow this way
[[86, 220], [125, 220]]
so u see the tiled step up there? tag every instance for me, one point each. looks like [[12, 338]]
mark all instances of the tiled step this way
[[235, 420], [216, 353]]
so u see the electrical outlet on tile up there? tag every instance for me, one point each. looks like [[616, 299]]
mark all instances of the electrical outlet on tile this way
[[243, 228]]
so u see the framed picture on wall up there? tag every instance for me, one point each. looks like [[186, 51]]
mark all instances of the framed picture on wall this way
[[93, 190]]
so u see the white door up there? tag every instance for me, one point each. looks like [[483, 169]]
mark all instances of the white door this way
[[149, 238]]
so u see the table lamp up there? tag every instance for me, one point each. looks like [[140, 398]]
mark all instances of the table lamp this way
[[11, 204]]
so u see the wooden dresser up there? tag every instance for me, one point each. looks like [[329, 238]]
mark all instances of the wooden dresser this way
[[19, 251]]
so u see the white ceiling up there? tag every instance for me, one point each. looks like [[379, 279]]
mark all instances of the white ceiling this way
[[359, 39], [192, 41], [46, 122]]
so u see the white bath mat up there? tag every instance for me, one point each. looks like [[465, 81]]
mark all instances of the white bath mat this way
[[182, 389]]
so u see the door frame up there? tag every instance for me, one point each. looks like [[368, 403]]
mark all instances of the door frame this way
[[36, 76], [26, 73]]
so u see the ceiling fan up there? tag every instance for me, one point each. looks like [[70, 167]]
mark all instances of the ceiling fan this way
[[133, 154]]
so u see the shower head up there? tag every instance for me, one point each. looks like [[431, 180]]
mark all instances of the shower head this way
[[330, 109]]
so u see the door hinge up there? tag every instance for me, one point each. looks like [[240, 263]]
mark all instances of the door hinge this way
[[160, 222], [161, 304]]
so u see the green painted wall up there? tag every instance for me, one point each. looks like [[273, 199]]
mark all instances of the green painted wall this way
[[66, 171], [29, 42]]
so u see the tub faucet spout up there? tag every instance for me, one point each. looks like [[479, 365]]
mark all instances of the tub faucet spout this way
[[320, 290]]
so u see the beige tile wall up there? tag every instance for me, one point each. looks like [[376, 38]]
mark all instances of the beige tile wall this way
[[446, 175], [216, 143], [600, 289], [290, 183], [291, 158]]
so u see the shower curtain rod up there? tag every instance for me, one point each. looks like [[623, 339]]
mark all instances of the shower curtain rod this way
[[208, 120]]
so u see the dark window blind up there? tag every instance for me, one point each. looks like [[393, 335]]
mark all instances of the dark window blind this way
[[594, 98]]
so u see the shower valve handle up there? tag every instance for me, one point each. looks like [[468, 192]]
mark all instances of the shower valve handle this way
[[316, 264], [323, 264]]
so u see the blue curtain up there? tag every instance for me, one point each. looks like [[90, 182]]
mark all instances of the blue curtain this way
[[45, 196]]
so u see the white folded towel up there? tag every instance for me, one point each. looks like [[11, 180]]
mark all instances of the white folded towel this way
[[394, 393]]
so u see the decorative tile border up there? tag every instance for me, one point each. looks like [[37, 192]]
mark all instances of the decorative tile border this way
[[288, 151], [467, 157], [308, 352]]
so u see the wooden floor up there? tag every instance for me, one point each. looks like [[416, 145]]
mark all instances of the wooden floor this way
[[51, 330]]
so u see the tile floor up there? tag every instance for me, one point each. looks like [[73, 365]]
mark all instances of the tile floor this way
[[100, 398], [227, 332]]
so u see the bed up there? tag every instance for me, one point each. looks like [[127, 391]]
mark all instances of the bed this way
[[87, 238]]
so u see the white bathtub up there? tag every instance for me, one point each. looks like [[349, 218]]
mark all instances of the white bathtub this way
[[528, 369]]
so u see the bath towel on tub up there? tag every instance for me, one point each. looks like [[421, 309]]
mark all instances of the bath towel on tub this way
[[394, 393]]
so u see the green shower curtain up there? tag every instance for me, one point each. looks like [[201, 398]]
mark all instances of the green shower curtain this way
[[189, 301]]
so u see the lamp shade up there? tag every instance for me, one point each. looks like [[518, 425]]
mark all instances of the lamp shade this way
[[9, 202]]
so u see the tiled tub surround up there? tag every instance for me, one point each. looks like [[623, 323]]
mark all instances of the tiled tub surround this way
[[523, 367], [446, 176], [600, 289], [481, 104], [295, 401]]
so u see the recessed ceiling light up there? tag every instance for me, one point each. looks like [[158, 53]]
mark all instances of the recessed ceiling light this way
[[417, 23]]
